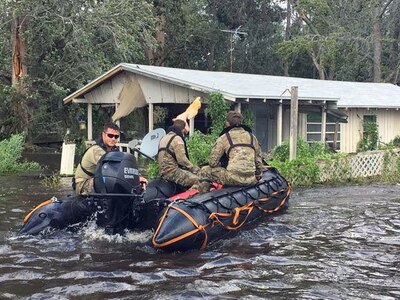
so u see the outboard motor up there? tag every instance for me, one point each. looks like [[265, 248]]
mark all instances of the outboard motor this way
[[117, 190], [117, 173]]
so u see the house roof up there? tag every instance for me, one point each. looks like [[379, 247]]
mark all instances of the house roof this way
[[236, 86]]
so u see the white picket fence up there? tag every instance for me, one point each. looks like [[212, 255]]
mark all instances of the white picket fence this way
[[363, 164]]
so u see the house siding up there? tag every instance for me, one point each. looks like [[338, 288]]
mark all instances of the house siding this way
[[388, 121]]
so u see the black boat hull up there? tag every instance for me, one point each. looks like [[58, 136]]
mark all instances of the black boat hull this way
[[56, 213], [114, 212], [192, 224], [179, 225]]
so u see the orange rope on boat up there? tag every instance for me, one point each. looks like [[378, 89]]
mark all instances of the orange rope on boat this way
[[248, 207], [235, 214], [280, 204], [183, 236], [35, 208]]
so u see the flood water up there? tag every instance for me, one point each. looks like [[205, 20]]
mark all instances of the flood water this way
[[332, 243]]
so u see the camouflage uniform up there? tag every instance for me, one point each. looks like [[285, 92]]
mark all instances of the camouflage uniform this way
[[244, 158], [174, 163], [84, 180]]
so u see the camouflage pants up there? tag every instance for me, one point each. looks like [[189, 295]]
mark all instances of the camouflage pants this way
[[84, 186], [225, 177], [182, 177]]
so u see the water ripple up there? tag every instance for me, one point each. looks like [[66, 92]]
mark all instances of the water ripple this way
[[333, 243]]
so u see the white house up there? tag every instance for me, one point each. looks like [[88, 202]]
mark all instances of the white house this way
[[329, 103]]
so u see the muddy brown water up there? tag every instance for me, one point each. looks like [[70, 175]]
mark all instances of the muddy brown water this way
[[332, 243]]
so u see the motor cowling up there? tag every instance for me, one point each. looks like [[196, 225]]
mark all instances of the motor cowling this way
[[117, 173], [117, 189]]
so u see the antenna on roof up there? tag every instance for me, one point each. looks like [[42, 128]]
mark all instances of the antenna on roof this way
[[233, 33]]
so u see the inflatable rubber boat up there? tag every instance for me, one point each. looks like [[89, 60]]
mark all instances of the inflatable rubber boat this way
[[181, 220], [191, 223], [118, 202]]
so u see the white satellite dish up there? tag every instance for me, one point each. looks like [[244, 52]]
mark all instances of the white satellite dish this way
[[149, 145]]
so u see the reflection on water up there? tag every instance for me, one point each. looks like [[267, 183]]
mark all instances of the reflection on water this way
[[333, 243]]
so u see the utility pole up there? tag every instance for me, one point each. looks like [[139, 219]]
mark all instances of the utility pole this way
[[294, 104], [233, 33]]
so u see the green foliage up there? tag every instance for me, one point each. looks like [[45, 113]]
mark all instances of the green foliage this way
[[10, 155], [369, 140], [304, 170], [391, 167], [248, 117], [395, 143], [52, 181], [308, 150], [153, 170], [217, 108], [68, 44], [299, 172], [159, 115], [199, 147]]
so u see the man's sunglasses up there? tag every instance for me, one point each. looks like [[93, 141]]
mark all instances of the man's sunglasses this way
[[112, 136]]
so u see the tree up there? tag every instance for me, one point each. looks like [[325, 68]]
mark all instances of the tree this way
[[393, 27], [379, 8], [345, 40], [69, 43]]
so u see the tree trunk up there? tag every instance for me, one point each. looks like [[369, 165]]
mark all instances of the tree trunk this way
[[377, 46], [19, 70], [394, 51], [156, 56], [287, 34], [318, 66], [210, 58], [19, 51]]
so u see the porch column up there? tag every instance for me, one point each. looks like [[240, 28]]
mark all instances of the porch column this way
[[335, 135], [238, 107], [90, 122], [294, 103], [118, 121], [279, 125], [191, 126], [323, 125], [150, 117]]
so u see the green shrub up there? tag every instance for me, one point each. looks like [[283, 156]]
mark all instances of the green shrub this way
[[313, 150], [304, 170], [370, 137], [396, 141], [248, 117], [199, 147], [52, 181], [153, 170], [299, 172], [10, 155], [217, 108]]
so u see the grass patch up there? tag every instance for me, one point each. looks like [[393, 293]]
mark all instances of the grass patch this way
[[10, 156]]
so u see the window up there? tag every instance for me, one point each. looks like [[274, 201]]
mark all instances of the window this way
[[370, 133], [314, 123]]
